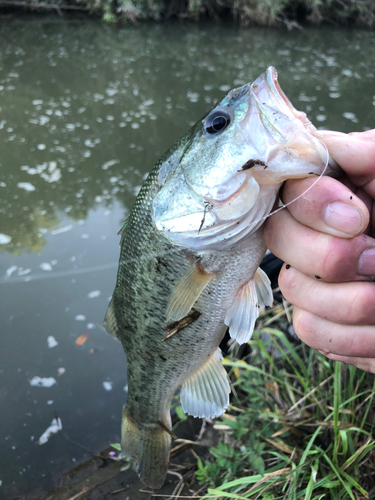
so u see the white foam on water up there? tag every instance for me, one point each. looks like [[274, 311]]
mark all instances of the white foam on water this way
[[109, 163], [107, 386], [55, 427], [46, 266], [93, 294], [11, 270], [42, 381], [351, 117], [27, 186], [63, 229], [22, 271], [52, 342]]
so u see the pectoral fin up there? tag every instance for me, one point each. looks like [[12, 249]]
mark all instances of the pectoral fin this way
[[241, 315], [186, 292], [263, 288], [243, 312], [206, 393]]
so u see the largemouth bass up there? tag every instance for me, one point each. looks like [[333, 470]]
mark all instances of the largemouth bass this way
[[190, 252]]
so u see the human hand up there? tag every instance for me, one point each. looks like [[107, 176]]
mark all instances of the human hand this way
[[326, 240]]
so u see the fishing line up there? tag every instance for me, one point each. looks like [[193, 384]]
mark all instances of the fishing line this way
[[306, 190], [85, 270]]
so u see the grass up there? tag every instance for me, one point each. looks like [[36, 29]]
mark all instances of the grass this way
[[301, 427]]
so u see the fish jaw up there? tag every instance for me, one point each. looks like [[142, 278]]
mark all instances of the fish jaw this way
[[283, 133]]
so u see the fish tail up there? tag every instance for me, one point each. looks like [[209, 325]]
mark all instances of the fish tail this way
[[149, 444]]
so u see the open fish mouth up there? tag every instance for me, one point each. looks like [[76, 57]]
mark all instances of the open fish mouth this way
[[271, 80]]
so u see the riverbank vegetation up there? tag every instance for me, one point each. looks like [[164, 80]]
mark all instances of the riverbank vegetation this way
[[292, 13], [300, 427]]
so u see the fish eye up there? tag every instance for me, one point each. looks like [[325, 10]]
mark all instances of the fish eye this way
[[218, 120]]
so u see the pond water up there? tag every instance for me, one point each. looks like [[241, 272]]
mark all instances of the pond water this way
[[85, 111]]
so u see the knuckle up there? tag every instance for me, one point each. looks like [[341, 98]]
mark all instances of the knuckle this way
[[370, 366], [288, 282], [303, 326], [361, 307], [337, 262]]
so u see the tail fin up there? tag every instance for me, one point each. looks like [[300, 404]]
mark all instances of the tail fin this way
[[149, 444]]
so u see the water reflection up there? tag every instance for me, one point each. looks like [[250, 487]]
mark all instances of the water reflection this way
[[81, 115], [86, 110]]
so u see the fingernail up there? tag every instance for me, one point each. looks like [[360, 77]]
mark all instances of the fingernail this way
[[343, 217], [366, 263]]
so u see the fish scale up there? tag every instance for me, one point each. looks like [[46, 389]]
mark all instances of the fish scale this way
[[189, 259]]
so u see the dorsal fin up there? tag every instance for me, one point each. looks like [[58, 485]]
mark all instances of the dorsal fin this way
[[110, 321]]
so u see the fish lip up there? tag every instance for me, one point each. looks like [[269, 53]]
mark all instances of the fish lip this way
[[274, 86]]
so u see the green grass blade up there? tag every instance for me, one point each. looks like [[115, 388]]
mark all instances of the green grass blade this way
[[337, 472]]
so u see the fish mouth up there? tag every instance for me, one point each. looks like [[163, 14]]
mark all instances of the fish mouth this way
[[271, 78]]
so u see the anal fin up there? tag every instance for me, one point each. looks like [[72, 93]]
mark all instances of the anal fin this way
[[186, 292], [206, 393], [243, 312]]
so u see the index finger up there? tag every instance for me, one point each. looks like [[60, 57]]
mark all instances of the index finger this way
[[355, 153]]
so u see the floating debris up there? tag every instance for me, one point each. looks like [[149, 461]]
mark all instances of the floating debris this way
[[4, 239], [46, 266], [107, 386], [55, 427], [11, 270], [52, 342], [82, 339], [42, 382], [62, 230], [109, 163], [27, 186]]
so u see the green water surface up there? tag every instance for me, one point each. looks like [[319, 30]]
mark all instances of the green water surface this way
[[85, 111]]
